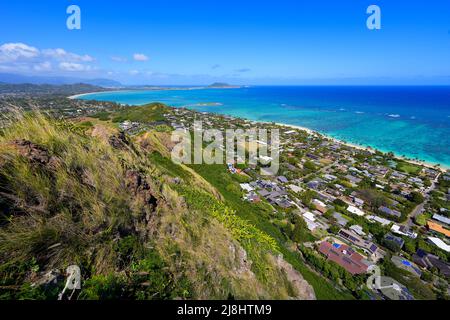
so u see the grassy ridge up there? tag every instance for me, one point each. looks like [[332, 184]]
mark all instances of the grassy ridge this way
[[86, 195], [148, 113]]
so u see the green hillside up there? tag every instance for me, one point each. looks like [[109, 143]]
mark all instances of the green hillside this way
[[138, 226]]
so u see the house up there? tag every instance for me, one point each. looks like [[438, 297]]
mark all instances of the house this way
[[406, 265], [263, 193], [329, 177], [358, 230], [128, 125], [272, 196], [252, 197], [442, 219], [295, 188], [345, 256], [398, 175], [390, 212], [403, 231], [310, 220], [340, 219], [283, 203], [282, 179], [439, 243], [246, 187], [367, 246], [392, 242], [320, 206], [290, 167], [325, 196], [415, 180], [315, 184], [353, 179], [428, 261], [356, 211], [382, 221], [436, 227], [394, 290], [312, 156], [358, 202]]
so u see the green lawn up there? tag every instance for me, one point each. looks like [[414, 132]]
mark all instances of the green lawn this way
[[408, 168]]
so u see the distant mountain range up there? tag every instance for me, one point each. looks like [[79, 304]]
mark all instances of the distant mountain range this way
[[36, 90], [55, 80]]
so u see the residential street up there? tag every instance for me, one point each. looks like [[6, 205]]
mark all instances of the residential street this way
[[420, 208]]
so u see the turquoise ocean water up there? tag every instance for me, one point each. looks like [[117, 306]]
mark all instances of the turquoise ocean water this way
[[409, 121]]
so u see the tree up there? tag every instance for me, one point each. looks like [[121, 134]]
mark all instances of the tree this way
[[334, 229], [410, 246], [310, 166], [416, 197], [300, 233]]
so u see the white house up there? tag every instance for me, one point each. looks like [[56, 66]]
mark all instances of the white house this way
[[401, 230], [383, 221], [246, 187], [440, 244], [356, 211]]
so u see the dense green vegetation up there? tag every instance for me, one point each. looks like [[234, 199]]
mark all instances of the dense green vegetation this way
[[47, 89], [261, 215], [334, 272], [419, 289], [119, 213], [148, 113]]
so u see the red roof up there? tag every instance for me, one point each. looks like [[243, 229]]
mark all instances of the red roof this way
[[344, 256]]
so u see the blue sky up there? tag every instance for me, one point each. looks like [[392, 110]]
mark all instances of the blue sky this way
[[242, 42]]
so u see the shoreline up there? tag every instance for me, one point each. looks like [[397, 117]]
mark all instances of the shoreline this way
[[423, 163], [76, 96], [442, 168]]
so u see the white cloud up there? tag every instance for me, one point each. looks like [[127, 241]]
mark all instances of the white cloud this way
[[140, 57], [20, 57], [61, 54], [10, 52], [72, 66], [134, 72], [43, 66]]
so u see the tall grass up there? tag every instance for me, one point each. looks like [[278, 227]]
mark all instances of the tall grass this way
[[74, 204], [77, 209]]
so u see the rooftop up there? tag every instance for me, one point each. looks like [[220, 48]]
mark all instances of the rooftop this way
[[344, 256]]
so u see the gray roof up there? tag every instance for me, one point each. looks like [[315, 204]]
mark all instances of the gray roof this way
[[440, 218]]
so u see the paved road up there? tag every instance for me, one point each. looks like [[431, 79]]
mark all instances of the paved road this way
[[420, 208], [412, 216]]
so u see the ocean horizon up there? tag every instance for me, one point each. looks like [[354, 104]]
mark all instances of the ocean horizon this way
[[410, 121]]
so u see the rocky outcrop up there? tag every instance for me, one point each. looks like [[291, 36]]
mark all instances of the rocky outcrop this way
[[304, 290], [147, 202], [140, 188], [35, 153], [119, 141]]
